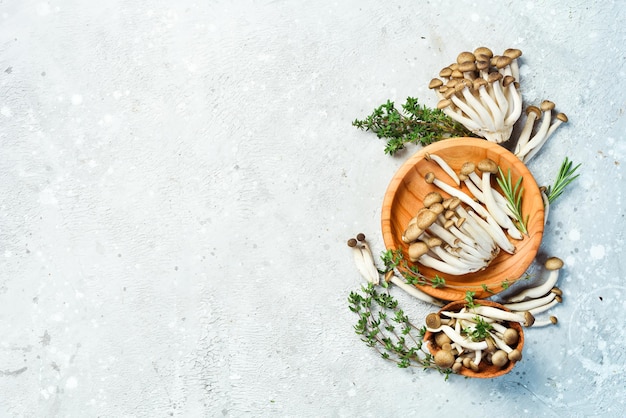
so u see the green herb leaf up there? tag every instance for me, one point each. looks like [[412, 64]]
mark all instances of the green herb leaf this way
[[415, 123], [513, 194], [564, 177]]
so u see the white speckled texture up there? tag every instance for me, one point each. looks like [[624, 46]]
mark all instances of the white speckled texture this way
[[178, 180]]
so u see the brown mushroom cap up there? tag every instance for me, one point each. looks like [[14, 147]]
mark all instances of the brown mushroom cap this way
[[510, 336], [433, 242], [533, 109], [494, 77], [454, 203], [553, 263], [411, 233], [437, 208], [499, 358], [562, 117], [508, 80], [464, 57], [434, 83], [433, 320], [426, 219], [467, 66], [488, 166], [429, 177], [502, 61], [442, 338], [483, 50], [512, 53], [444, 359], [529, 319], [417, 249], [468, 168], [445, 72], [480, 82], [431, 198], [546, 105], [515, 355], [442, 104]]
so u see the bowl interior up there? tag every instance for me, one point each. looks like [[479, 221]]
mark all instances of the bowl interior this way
[[485, 370], [405, 195]]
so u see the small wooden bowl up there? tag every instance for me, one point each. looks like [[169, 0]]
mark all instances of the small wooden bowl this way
[[406, 192], [485, 370]]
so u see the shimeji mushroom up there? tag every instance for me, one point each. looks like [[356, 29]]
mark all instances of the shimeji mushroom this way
[[525, 318], [364, 268], [552, 266], [481, 92], [528, 147]]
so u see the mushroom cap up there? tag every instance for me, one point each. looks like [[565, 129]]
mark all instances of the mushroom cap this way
[[480, 82], [459, 222], [433, 320], [512, 53], [502, 61], [464, 57], [442, 338], [488, 166], [457, 74], [529, 318], [434, 83], [515, 355], [494, 77], [434, 242], [447, 224], [546, 105], [445, 72], [442, 104], [467, 66], [553, 263], [412, 233], [509, 79], [467, 168], [499, 358], [510, 336], [454, 202], [483, 50], [482, 62], [444, 359], [431, 198], [417, 249], [426, 219], [437, 208], [430, 176], [533, 109], [562, 117]]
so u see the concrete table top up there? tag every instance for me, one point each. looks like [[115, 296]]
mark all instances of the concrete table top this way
[[178, 181]]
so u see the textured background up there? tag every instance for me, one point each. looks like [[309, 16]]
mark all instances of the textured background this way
[[178, 180]]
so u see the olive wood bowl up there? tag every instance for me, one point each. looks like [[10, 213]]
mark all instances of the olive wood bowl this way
[[405, 194], [485, 369]]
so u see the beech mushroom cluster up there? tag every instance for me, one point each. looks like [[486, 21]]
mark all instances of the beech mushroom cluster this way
[[481, 91], [542, 297], [461, 234], [474, 336]]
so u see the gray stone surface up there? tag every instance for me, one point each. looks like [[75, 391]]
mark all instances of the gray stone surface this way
[[178, 180]]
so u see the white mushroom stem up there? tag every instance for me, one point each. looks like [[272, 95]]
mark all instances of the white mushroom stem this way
[[489, 167], [443, 267], [468, 316], [540, 135], [484, 115], [361, 265], [500, 344], [459, 339], [530, 304], [546, 206], [561, 118], [368, 260], [446, 106], [532, 113], [495, 232], [552, 320], [414, 291], [478, 357], [478, 232], [444, 166], [553, 266], [452, 191], [499, 314], [500, 200], [546, 307], [515, 105]]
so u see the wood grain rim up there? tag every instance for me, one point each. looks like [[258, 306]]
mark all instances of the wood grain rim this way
[[403, 198]]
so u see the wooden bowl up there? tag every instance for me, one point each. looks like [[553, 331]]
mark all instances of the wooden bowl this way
[[405, 194], [485, 369]]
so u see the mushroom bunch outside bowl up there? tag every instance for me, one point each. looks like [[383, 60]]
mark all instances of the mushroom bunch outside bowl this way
[[485, 369], [405, 196]]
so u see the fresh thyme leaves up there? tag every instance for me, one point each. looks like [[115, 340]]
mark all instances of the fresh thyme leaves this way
[[469, 299], [513, 194], [415, 123], [564, 177], [479, 331], [385, 327], [395, 259]]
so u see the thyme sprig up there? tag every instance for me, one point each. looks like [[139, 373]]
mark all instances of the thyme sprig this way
[[564, 177], [415, 123], [513, 194], [385, 327], [395, 259]]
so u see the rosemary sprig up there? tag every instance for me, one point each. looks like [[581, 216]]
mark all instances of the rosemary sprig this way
[[385, 327], [417, 124], [513, 194], [564, 177]]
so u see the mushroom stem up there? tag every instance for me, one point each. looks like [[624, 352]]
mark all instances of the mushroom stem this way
[[552, 265], [546, 307], [415, 292], [546, 107], [524, 318], [459, 339], [560, 118], [552, 320], [530, 304], [368, 259], [360, 262], [444, 166], [532, 113]]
